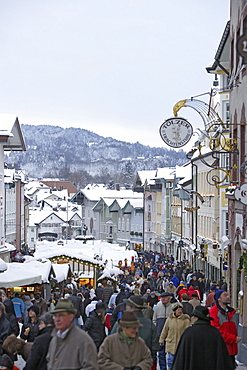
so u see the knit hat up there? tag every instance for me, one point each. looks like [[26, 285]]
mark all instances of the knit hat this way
[[6, 361], [176, 305], [129, 320], [64, 305], [202, 313], [135, 301], [34, 309], [218, 293]]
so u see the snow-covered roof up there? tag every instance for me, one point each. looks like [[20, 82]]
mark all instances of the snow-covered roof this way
[[10, 131], [38, 216], [184, 172], [166, 173], [97, 193], [94, 251], [146, 176]]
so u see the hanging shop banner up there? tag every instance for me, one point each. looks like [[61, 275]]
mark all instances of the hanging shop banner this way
[[176, 132]]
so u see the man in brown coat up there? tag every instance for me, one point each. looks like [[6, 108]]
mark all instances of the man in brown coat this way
[[124, 349]]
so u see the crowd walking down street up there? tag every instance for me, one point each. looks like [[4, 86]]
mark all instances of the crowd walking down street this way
[[159, 315]]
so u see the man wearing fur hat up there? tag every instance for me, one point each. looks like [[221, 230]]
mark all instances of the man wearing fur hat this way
[[124, 349], [174, 327], [225, 320], [70, 347], [201, 345]]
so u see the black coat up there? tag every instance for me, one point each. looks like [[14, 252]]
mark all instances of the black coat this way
[[33, 333], [95, 328], [77, 303], [5, 330], [201, 347], [37, 356]]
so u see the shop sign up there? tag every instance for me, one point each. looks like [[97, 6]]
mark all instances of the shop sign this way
[[241, 193], [242, 46], [176, 132]]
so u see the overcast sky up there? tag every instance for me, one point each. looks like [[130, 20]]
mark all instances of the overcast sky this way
[[114, 67]]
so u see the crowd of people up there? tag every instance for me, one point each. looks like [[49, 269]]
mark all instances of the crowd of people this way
[[159, 313]]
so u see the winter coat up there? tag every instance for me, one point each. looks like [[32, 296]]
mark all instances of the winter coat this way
[[33, 332], [5, 330], [115, 353], [210, 300], [172, 331], [37, 357], [226, 322], [187, 307], [77, 303], [147, 332], [195, 302], [43, 308], [95, 328], [99, 293], [192, 290], [107, 293], [161, 313], [171, 289], [76, 350], [117, 313], [201, 347]]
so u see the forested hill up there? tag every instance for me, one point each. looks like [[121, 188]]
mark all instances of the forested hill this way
[[83, 156]]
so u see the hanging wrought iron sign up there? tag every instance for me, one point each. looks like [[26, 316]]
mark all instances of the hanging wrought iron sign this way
[[176, 132]]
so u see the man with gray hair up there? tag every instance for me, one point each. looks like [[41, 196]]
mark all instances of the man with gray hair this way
[[70, 347]]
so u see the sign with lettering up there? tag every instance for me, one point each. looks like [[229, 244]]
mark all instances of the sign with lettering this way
[[242, 46], [176, 132]]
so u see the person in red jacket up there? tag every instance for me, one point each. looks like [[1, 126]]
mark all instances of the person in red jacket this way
[[225, 320]]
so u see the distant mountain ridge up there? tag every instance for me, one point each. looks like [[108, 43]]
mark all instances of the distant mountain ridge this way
[[53, 151]]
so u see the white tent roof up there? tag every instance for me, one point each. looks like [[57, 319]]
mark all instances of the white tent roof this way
[[31, 272], [18, 274]]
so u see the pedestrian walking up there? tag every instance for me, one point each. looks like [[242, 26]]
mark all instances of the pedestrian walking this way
[[225, 320], [161, 313], [201, 346], [70, 347], [171, 333], [124, 349]]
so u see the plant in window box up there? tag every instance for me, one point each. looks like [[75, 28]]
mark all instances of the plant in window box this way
[[136, 233], [140, 234], [132, 233]]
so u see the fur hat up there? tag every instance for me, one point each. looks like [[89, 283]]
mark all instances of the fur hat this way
[[176, 305], [129, 320], [64, 305]]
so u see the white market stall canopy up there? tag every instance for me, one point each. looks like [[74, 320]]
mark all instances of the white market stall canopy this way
[[32, 272]]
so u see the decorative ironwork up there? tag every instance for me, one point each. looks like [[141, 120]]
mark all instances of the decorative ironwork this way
[[213, 176], [217, 140]]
